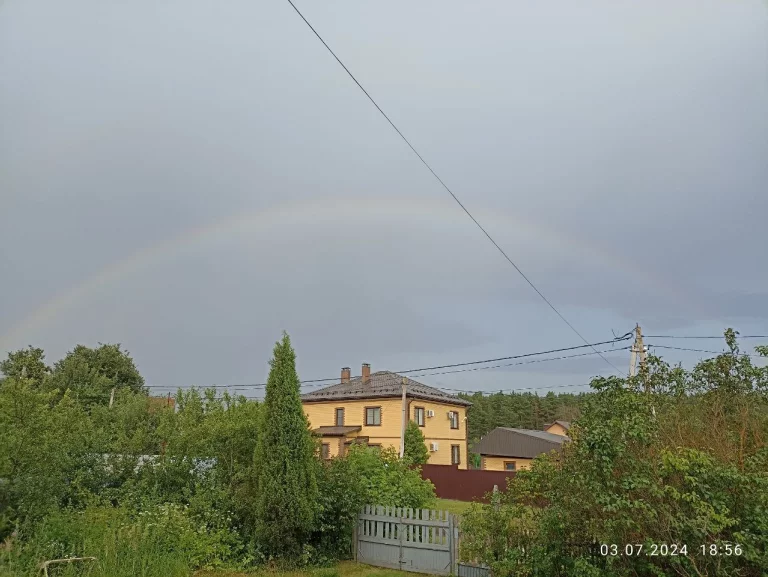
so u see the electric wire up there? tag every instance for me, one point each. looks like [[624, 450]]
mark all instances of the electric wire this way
[[704, 351], [321, 382], [708, 337], [445, 186]]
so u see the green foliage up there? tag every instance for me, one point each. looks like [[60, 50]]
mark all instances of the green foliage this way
[[416, 452], [387, 480], [364, 477], [26, 363], [150, 490], [45, 453], [685, 462], [163, 540], [286, 465], [91, 374]]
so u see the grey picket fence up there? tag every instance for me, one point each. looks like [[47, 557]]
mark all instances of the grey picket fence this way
[[418, 540]]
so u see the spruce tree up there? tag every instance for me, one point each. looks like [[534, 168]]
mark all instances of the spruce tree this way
[[285, 462]]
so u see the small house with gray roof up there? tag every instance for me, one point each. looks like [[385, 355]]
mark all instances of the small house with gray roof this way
[[505, 449], [558, 428]]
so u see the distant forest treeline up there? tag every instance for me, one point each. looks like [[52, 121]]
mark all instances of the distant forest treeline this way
[[519, 410]]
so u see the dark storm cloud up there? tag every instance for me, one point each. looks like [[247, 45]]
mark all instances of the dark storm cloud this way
[[616, 151]]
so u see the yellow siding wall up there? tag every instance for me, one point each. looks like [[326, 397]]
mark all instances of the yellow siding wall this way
[[335, 445], [557, 430], [437, 429], [324, 415], [497, 463]]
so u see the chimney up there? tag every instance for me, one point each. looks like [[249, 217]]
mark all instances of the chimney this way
[[366, 373], [346, 373]]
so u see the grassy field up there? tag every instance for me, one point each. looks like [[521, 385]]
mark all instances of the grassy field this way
[[344, 569], [455, 507]]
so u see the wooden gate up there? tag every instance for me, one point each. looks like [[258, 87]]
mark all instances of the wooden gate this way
[[420, 540]]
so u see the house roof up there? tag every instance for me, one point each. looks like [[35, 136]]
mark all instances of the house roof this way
[[521, 443], [564, 424], [382, 384], [336, 431]]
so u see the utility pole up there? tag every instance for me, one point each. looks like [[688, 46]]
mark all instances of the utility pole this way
[[638, 348], [404, 422]]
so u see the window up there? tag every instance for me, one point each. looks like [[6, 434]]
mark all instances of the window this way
[[325, 451], [339, 417], [455, 455], [454, 417], [510, 465], [418, 416], [373, 416], [375, 446]]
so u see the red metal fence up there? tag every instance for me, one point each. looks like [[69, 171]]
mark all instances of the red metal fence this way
[[464, 484]]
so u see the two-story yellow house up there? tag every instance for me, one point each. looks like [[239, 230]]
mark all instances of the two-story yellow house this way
[[369, 409]]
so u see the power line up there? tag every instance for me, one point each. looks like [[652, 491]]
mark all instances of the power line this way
[[591, 345], [494, 392], [520, 363], [364, 389], [322, 382], [697, 337], [703, 351], [445, 186]]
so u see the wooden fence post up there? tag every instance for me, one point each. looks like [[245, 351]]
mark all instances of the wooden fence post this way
[[354, 537], [453, 535], [400, 534]]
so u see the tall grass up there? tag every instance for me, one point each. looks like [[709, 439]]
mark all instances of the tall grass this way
[[159, 543]]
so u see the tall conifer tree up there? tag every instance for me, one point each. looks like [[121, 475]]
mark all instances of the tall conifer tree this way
[[285, 463]]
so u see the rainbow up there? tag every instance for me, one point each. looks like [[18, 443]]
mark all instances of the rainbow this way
[[332, 211]]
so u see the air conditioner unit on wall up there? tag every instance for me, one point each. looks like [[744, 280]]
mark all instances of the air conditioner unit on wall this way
[[433, 447], [430, 413]]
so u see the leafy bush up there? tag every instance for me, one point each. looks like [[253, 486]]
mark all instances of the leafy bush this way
[[416, 452], [668, 457], [364, 476]]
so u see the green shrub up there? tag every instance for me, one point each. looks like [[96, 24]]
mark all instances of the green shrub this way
[[620, 482], [416, 452], [364, 476]]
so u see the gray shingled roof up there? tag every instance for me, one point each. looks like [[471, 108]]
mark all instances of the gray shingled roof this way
[[521, 443], [564, 424], [382, 384]]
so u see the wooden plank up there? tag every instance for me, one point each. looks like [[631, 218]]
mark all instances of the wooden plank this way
[[382, 541], [380, 524], [406, 521], [454, 543], [355, 536]]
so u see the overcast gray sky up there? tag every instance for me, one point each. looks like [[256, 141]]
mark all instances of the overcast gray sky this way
[[190, 178]]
